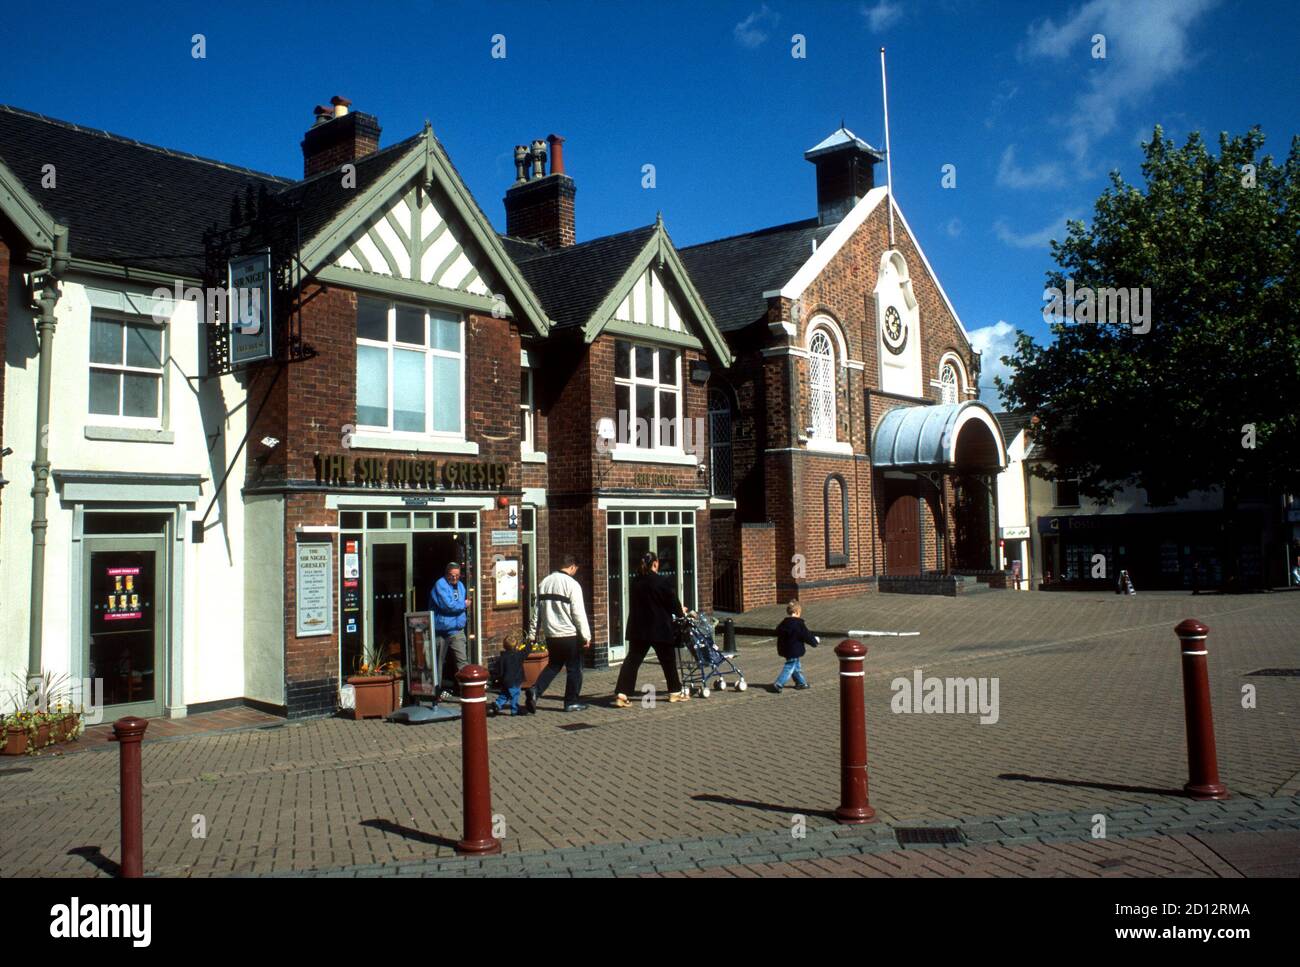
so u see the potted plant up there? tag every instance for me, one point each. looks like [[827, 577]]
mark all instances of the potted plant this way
[[376, 683], [41, 714], [534, 661]]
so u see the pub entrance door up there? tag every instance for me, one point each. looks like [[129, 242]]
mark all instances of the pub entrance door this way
[[127, 617]]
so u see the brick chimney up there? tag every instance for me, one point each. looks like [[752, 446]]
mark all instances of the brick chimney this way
[[338, 136], [845, 173], [539, 206]]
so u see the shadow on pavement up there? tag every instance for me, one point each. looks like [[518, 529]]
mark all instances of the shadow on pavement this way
[[95, 857], [765, 806], [406, 832], [1108, 786]]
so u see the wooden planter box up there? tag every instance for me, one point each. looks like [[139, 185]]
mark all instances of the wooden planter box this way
[[534, 662], [376, 695]]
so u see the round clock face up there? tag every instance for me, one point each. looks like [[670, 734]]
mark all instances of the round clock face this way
[[895, 332]]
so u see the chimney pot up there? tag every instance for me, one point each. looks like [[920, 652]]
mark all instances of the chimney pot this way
[[539, 159], [341, 105], [557, 153], [539, 207]]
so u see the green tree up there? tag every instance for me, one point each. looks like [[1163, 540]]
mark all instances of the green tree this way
[[1174, 409]]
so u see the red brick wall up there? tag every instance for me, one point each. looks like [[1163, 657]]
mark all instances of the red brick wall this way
[[542, 211], [758, 565], [339, 140]]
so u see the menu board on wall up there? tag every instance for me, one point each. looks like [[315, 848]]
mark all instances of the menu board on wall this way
[[505, 574], [315, 588]]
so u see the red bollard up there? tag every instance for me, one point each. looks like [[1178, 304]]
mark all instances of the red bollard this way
[[854, 807], [127, 733], [1202, 760], [474, 762]]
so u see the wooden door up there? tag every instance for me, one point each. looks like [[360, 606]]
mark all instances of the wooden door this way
[[902, 536]]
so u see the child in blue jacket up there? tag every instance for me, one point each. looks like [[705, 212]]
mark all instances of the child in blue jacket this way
[[791, 636]]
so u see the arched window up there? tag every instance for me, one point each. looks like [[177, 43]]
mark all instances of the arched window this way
[[821, 379], [949, 383], [720, 474]]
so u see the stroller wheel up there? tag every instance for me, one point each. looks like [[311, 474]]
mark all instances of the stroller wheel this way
[[740, 685], [720, 684], [704, 692]]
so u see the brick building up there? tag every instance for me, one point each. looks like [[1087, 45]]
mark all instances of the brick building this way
[[860, 455], [430, 390]]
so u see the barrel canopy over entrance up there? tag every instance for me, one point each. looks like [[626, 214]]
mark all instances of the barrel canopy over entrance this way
[[948, 435]]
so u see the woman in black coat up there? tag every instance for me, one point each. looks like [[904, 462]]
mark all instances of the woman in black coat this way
[[652, 610]]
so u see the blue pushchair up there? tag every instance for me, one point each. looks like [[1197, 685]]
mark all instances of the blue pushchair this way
[[704, 667]]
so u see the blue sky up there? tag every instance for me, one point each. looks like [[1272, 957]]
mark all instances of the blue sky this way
[[1008, 92]]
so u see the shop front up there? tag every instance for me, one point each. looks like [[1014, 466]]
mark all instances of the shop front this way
[[391, 559], [663, 526], [1161, 551]]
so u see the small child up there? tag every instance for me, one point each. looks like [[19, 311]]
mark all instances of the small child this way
[[511, 674], [791, 636]]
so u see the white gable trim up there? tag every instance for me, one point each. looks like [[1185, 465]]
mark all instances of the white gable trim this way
[[835, 241], [933, 277], [828, 249]]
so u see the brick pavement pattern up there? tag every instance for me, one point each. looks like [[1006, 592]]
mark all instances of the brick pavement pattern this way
[[1090, 721]]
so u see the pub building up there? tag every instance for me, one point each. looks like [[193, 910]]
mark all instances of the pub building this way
[[275, 484]]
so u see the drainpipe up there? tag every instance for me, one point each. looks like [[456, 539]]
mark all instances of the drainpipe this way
[[49, 297]]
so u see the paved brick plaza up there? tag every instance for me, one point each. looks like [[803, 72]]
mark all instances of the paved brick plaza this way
[[1090, 721]]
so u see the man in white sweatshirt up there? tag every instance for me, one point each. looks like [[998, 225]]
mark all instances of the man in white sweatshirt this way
[[562, 620]]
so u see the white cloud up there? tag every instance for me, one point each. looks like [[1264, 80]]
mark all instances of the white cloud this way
[[883, 15], [1146, 45], [953, 228], [1006, 91], [993, 342], [1038, 239], [1010, 175], [752, 31]]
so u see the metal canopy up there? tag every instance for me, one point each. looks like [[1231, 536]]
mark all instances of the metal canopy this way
[[926, 436]]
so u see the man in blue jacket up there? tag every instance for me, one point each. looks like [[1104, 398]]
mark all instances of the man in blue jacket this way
[[448, 601]]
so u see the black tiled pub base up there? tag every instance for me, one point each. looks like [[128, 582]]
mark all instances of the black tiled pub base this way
[[311, 699]]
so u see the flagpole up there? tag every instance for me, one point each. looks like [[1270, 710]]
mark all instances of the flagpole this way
[[889, 171]]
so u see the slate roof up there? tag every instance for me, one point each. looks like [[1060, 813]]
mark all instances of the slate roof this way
[[124, 201], [839, 140], [322, 196], [733, 273], [572, 282], [1013, 423]]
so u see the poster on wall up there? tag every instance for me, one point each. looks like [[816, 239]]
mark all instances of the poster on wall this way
[[421, 669], [315, 589], [505, 575]]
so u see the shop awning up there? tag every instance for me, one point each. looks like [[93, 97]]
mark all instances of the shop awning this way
[[963, 436]]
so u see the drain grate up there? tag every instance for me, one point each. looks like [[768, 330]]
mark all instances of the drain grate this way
[[928, 836], [14, 772], [1276, 672], [577, 727]]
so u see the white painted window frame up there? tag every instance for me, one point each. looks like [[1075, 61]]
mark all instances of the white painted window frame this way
[[119, 419], [820, 328], [428, 437], [656, 452]]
